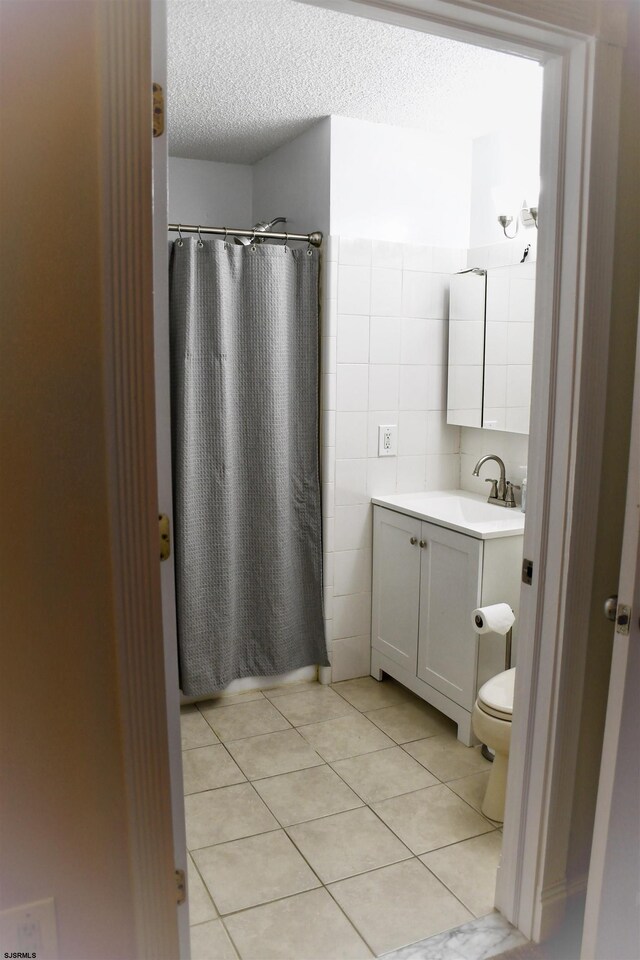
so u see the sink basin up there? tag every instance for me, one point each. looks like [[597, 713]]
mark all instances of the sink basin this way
[[458, 510]]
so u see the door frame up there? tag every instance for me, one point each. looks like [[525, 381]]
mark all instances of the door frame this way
[[573, 297], [611, 914], [582, 78]]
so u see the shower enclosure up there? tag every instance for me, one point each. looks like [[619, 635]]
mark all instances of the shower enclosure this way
[[244, 393]]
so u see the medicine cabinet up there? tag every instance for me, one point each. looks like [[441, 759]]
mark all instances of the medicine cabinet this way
[[491, 347]]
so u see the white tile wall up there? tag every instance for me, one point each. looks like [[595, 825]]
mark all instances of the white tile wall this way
[[511, 447], [384, 352]]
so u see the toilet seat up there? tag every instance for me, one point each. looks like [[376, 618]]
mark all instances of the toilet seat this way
[[495, 697]]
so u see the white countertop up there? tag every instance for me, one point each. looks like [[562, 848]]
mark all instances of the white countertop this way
[[458, 510]]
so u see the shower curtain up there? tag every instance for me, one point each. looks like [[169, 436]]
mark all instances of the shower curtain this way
[[244, 391]]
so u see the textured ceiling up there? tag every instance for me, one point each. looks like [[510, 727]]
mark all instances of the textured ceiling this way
[[246, 76]]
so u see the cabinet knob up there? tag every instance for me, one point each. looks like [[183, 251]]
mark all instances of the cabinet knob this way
[[423, 543], [413, 540]]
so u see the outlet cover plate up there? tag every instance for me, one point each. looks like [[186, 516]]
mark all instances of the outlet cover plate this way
[[30, 928], [387, 440]]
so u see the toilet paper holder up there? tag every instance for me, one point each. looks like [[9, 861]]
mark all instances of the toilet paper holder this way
[[507, 644]]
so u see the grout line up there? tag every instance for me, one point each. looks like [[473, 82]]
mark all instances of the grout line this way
[[201, 746], [232, 941], [453, 893], [206, 888], [364, 805], [219, 843], [220, 786]]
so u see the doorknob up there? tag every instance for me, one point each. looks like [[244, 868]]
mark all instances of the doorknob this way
[[611, 608], [413, 540]]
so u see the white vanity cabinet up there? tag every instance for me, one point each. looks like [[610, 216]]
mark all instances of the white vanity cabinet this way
[[427, 580]]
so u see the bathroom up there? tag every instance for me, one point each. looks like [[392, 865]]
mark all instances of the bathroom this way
[[407, 191]]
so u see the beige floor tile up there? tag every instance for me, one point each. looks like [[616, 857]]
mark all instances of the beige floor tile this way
[[398, 905], [273, 753], [225, 814], [411, 721], [309, 926], [447, 758], [468, 869], [365, 693], [209, 941], [383, 774], [201, 907], [255, 870], [205, 768], [194, 729], [288, 688], [471, 788], [306, 795], [245, 720], [431, 818], [346, 844], [314, 705], [230, 699], [345, 737]]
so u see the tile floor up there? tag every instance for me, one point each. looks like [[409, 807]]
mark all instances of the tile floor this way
[[331, 822]]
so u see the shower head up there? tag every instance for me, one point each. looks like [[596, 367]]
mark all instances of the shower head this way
[[261, 226]]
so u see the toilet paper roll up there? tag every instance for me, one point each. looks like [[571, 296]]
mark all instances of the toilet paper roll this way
[[497, 618]]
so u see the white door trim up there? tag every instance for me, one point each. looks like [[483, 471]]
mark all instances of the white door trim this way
[[164, 474], [612, 929], [571, 380], [124, 132], [573, 295], [577, 215]]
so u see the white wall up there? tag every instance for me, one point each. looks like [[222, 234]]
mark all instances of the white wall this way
[[399, 184], [506, 163], [293, 182], [209, 193]]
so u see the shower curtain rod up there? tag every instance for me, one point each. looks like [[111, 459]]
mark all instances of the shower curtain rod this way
[[315, 238]]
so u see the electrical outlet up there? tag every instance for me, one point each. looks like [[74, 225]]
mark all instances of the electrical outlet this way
[[387, 440], [30, 930]]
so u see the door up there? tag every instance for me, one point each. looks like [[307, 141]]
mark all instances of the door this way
[[612, 916], [396, 586], [450, 587], [163, 444]]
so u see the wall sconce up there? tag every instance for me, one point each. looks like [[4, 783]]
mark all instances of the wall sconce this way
[[528, 216], [506, 221]]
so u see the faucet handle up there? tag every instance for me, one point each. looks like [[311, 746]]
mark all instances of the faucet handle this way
[[493, 493], [509, 499]]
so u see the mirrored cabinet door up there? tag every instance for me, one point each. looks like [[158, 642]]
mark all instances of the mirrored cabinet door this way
[[467, 295], [489, 382]]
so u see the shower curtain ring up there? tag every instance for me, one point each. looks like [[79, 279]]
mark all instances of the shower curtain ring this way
[[286, 241], [253, 242], [180, 240], [224, 239], [200, 243], [309, 249]]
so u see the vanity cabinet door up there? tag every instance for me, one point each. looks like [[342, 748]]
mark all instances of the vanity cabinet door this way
[[396, 586], [450, 589]]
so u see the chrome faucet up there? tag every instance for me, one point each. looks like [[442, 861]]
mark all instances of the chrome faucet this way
[[502, 490]]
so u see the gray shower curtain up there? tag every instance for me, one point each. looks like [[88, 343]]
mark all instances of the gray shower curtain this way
[[244, 388]]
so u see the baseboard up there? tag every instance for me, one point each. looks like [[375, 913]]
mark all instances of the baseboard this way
[[550, 910]]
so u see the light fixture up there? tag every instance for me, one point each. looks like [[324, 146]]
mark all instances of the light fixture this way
[[528, 216], [506, 221]]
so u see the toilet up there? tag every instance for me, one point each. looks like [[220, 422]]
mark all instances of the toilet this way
[[491, 722]]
